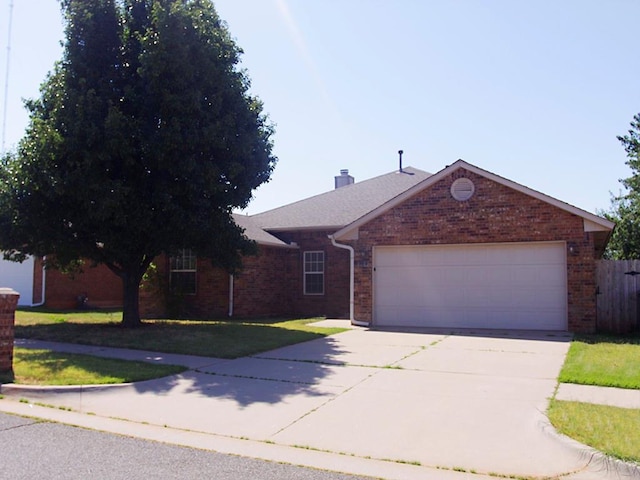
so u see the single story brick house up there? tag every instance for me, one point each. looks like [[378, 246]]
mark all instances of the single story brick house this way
[[461, 248]]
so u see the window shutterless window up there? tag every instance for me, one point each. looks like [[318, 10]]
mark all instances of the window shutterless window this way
[[314, 273], [182, 272]]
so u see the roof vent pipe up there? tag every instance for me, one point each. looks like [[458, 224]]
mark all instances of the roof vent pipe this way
[[400, 152], [343, 179]]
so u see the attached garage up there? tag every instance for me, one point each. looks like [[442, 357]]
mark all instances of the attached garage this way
[[512, 285]]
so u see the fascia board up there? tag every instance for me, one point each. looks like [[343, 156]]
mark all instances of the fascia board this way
[[276, 244], [320, 228], [590, 226], [603, 223]]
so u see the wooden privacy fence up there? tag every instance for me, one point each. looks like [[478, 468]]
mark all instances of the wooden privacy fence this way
[[617, 295]]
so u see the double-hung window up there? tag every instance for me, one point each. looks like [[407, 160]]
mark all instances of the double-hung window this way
[[314, 273], [182, 271]]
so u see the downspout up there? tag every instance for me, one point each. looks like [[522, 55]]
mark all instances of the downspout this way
[[43, 296], [355, 322], [230, 295]]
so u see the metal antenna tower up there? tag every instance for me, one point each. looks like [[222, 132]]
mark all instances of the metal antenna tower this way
[[6, 78]]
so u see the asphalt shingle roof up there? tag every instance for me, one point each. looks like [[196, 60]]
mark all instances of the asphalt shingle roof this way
[[254, 232], [340, 207]]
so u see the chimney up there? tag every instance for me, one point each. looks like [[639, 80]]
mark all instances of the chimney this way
[[344, 179]]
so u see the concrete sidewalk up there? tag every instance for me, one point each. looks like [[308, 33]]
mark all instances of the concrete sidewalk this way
[[614, 397], [384, 404]]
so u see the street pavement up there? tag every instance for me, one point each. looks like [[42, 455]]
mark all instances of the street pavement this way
[[396, 405], [33, 449]]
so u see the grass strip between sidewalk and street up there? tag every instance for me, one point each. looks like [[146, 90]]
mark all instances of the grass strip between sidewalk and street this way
[[44, 367], [611, 430], [605, 361]]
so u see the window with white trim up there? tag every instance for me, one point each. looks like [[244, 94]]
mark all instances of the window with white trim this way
[[182, 272], [314, 273]]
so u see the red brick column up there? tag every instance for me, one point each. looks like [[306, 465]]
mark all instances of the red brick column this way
[[8, 304]]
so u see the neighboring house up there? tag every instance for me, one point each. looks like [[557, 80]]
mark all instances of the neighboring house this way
[[97, 285], [38, 286], [21, 278], [463, 248]]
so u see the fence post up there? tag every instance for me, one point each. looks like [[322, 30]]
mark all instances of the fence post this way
[[8, 303]]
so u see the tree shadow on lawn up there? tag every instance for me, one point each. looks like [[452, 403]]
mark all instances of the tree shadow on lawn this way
[[208, 339], [235, 373]]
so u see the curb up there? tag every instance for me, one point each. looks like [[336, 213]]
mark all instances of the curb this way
[[14, 390], [320, 460], [597, 461]]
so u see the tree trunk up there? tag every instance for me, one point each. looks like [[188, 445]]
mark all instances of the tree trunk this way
[[130, 298]]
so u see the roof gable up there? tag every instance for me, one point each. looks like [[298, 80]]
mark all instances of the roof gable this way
[[592, 223]]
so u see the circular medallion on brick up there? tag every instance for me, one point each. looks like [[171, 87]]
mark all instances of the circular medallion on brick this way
[[462, 189]]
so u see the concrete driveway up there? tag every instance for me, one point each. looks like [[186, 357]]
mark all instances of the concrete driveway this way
[[423, 405]]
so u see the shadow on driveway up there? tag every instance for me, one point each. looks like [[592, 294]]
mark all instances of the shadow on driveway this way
[[256, 379]]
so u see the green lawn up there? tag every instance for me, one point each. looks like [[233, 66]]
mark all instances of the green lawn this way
[[38, 367], [614, 431], [609, 361], [215, 338]]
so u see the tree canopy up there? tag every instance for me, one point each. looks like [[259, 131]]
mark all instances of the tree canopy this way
[[144, 139], [625, 241]]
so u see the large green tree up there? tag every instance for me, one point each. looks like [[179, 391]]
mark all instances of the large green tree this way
[[144, 139], [625, 241]]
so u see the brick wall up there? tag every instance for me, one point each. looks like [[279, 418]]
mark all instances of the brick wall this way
[[335, 301], [8, 304], [102, 287], [270, 284], [37, 296], [211, 300], [494, 214], [264, 287]]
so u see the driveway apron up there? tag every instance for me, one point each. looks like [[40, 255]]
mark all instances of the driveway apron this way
[[473, 402]]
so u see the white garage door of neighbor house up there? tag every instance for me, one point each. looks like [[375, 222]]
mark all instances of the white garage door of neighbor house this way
[[515, 286], [19, 277]]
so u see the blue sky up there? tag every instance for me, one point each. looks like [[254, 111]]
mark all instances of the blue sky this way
[[532, 91]]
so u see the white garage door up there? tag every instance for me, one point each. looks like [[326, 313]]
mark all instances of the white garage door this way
[[515, 286], [18, 276]]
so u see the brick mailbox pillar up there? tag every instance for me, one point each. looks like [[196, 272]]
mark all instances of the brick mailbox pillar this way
[[8, 303]]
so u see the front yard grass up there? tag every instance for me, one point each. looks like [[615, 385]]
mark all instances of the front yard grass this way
[[604, 360], [214, 338], [39, 367], [612, 430], [607, 361]]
